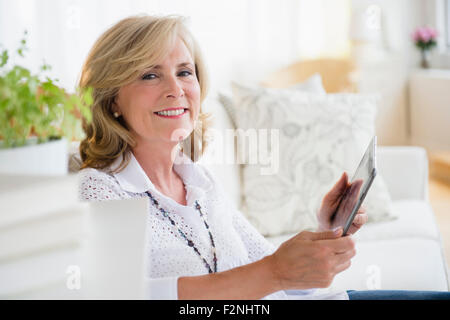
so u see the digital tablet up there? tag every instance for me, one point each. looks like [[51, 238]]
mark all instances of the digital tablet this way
[[354, 195]]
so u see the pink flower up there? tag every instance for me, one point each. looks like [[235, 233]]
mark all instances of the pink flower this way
[[433, 33], [424, 34]]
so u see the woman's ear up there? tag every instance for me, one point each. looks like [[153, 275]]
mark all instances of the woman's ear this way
[[115, 109]]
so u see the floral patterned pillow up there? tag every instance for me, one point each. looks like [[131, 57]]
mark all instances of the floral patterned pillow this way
[[313, 85], [316, 138]]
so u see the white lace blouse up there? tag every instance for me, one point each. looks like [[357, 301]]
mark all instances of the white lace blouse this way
[[169, 257]]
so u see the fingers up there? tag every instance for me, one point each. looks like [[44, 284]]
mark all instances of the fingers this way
[[362, 209], [341, 245], [358, 184], [331, 239], [325, 253], [343, 260], [342, 182], [329, 234], [360, 219], [353, 191], [338, 189], [344, 256], [341, 267]]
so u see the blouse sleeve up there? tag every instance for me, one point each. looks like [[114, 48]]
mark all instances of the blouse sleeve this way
[[96, 185]]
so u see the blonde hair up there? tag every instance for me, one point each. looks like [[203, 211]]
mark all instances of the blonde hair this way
[[116, 59]]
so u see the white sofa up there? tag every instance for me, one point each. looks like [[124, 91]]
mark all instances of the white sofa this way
[[403, 254]]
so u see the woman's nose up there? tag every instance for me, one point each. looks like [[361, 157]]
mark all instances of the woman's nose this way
[[174, 88]]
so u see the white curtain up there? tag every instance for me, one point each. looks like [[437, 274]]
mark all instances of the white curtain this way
[[242, 39]]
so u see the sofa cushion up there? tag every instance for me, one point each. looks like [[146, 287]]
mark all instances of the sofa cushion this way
[[313, 85], [217, 152], [318, 137], [415, 219], [407, 263], [401, 264]]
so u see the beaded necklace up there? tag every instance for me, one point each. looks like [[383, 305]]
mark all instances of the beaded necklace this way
[[189, 242]]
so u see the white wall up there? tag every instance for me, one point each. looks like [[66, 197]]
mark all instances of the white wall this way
[[388, 73], [242, 39], [430, 112]]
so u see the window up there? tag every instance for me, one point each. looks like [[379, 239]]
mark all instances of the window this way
[[447, 23]]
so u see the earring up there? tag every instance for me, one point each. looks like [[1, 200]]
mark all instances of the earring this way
[[116, 114]]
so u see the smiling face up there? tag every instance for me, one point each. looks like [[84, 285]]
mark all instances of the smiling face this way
[[164, 102]]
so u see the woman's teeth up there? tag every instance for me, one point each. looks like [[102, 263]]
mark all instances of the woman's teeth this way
[[171, 112]]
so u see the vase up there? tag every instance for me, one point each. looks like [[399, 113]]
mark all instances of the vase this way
[[49, 158], [425, 59]]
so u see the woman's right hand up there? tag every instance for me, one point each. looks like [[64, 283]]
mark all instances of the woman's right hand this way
[[311, 259]]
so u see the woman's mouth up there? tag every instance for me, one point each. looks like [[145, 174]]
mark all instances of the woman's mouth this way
[[172, 113]]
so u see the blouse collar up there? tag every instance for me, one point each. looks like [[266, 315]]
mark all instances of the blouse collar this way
[[134, 179]]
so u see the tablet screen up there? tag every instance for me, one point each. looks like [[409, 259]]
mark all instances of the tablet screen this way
[[356, 192]]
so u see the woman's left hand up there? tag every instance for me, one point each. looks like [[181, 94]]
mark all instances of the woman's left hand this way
[[329, 205]]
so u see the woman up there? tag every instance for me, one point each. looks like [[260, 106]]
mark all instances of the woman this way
[[149, 82]]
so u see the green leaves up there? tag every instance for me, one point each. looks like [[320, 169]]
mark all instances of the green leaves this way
[[426, 45], [4, 58], [23, 45], [33, 107]]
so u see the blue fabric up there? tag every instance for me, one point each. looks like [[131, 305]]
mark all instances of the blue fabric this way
[[397, 295]]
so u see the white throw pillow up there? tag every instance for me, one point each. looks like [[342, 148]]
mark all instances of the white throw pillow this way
[[319, 137], [313, 85]]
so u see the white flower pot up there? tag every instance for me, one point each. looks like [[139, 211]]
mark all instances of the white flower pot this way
[[48, 158]]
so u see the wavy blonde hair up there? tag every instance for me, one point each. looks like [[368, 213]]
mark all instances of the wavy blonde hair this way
[[117, 59]]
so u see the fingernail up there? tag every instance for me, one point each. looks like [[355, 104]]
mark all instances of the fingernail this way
[[337, 230]]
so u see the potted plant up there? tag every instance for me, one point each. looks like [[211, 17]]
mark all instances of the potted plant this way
[[37, 119], [425, 39]]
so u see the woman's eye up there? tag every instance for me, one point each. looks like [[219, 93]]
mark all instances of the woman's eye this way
[[151, 76], [188, 73], [148, 76]]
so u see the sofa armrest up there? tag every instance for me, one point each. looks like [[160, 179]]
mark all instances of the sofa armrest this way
[[405, 171]]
